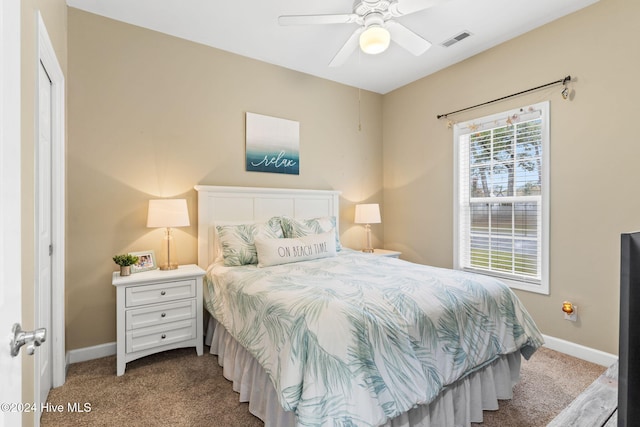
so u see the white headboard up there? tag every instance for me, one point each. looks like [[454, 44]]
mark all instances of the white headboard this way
[[256, 204]]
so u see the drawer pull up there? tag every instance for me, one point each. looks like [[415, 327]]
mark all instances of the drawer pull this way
[[163, 315], [163, 293], [163, 336]]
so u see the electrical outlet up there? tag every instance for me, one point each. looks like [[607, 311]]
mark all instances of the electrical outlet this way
[[573, 316]]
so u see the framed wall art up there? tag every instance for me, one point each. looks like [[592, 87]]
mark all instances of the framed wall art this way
[[272, 144]]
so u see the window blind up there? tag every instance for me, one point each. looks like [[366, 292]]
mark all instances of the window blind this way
[[501, 188]]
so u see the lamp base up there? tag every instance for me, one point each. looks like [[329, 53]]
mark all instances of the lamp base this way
[[369, 248], [168, 259]]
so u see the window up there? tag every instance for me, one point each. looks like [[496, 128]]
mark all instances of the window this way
[[501, 197]]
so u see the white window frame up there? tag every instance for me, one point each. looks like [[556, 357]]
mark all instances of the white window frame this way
[[497, 120]]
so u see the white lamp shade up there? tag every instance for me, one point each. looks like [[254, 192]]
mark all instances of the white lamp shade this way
[[168, 213], [368, 214], [374, 40]]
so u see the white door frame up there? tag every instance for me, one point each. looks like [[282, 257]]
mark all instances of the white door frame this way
[[47, 55], [10, 205]]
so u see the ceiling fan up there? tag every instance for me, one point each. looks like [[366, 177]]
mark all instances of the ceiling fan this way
[[376, 26]]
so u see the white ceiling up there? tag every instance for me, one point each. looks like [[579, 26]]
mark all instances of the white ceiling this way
[[250, 28]]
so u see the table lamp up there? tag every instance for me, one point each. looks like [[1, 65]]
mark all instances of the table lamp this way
[[368, 214], [168, 213]]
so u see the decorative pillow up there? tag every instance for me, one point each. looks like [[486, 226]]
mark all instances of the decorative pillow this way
[[284, 251], [303, 227], [237, 241]]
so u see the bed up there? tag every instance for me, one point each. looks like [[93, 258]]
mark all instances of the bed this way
[[331, 336]]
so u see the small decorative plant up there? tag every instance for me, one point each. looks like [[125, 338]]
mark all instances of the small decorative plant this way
[[125, 260]]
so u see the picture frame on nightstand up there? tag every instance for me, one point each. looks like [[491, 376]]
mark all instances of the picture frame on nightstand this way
[[146, 261]]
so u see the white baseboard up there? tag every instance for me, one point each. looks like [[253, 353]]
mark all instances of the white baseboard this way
[[90, 353], [581, 352]]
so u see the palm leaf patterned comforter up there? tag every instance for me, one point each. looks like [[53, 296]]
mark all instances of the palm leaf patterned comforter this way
[[356, 339]]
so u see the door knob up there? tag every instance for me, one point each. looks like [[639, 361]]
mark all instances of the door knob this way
[[32, 338]]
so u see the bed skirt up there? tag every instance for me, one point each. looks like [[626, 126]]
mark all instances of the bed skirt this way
[[458, 405]]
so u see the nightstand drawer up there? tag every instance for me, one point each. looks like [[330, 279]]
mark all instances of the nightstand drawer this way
[[156, 336], [163, 292], [160, 314]]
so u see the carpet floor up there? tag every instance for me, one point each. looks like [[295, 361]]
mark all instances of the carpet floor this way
[[177, 388]]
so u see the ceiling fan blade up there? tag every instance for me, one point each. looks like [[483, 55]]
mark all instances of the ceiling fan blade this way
[[407, 38], [344, 18], [405, 7], [347, 49]]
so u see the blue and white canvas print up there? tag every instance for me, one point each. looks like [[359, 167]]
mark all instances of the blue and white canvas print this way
[[273, 144]]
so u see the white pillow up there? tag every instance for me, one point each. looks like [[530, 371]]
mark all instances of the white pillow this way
[[284, 251]]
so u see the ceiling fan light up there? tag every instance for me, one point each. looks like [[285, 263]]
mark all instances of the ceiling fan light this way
[[374, 40]]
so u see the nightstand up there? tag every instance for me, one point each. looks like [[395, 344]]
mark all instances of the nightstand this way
[[387, 253], [157, 311]]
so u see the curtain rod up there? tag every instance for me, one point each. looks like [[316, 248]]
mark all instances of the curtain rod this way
[[563, 81]]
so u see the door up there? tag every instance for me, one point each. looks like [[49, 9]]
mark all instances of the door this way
[[10, 258], [43, 232], [50, 215]]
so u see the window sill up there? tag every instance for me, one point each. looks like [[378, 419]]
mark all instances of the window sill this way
[[541, 288]]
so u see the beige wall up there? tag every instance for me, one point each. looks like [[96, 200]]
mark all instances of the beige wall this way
[[152, 115], [54, 14], [594, 158]]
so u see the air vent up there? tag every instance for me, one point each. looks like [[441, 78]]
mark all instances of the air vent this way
[[463, 35]]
